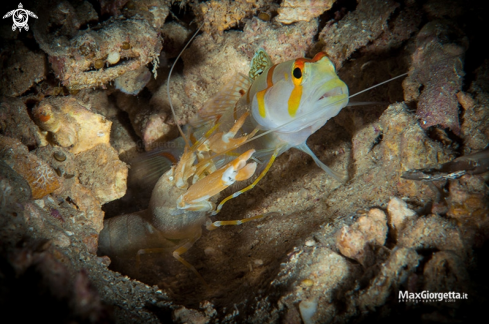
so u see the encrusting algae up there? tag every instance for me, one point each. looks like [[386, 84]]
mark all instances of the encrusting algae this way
[[41, 177]]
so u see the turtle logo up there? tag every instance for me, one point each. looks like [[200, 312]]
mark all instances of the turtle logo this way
[[20, 17]]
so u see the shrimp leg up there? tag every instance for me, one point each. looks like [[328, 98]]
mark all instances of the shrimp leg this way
[[184, 248], [214, 225], [251, 186], [176, 254]]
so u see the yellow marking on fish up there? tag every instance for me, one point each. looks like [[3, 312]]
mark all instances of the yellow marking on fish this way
[[296, 94], [334, 83], [260, 96], [339, 98], [295, 100]]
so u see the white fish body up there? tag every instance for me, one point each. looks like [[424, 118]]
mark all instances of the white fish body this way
[[290, 101]]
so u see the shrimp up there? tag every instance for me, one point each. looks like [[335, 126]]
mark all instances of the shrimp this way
[[238, 134]]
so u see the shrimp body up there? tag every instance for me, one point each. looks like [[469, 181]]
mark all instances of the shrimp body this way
[[247, 119]]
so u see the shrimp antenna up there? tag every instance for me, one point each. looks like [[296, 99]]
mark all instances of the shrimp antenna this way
[[187, 143], [315, 112], [377, 85], [307, 114]]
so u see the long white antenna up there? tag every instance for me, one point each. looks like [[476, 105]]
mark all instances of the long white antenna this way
[[187, 143], [379, 84]]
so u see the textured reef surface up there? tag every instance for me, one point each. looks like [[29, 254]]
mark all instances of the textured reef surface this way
[[83, 95]]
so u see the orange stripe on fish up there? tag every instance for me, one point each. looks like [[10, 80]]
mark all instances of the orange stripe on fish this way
[[300, 61], [270, 76]]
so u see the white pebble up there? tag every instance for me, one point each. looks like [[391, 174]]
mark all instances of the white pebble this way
[[113, 57], [61, 240], [209, 251], [308, 309], [310, 243], [39, 202]]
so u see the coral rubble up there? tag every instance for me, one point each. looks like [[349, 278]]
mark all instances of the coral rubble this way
[[93, 57], [434, 57], [71, 125], [221, 15], [21, 69], [291, 11], [357, 29]]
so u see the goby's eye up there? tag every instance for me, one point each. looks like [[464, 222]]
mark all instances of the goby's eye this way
[[297, 73]]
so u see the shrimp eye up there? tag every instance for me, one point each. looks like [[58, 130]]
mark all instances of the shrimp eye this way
[[297, 73]]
